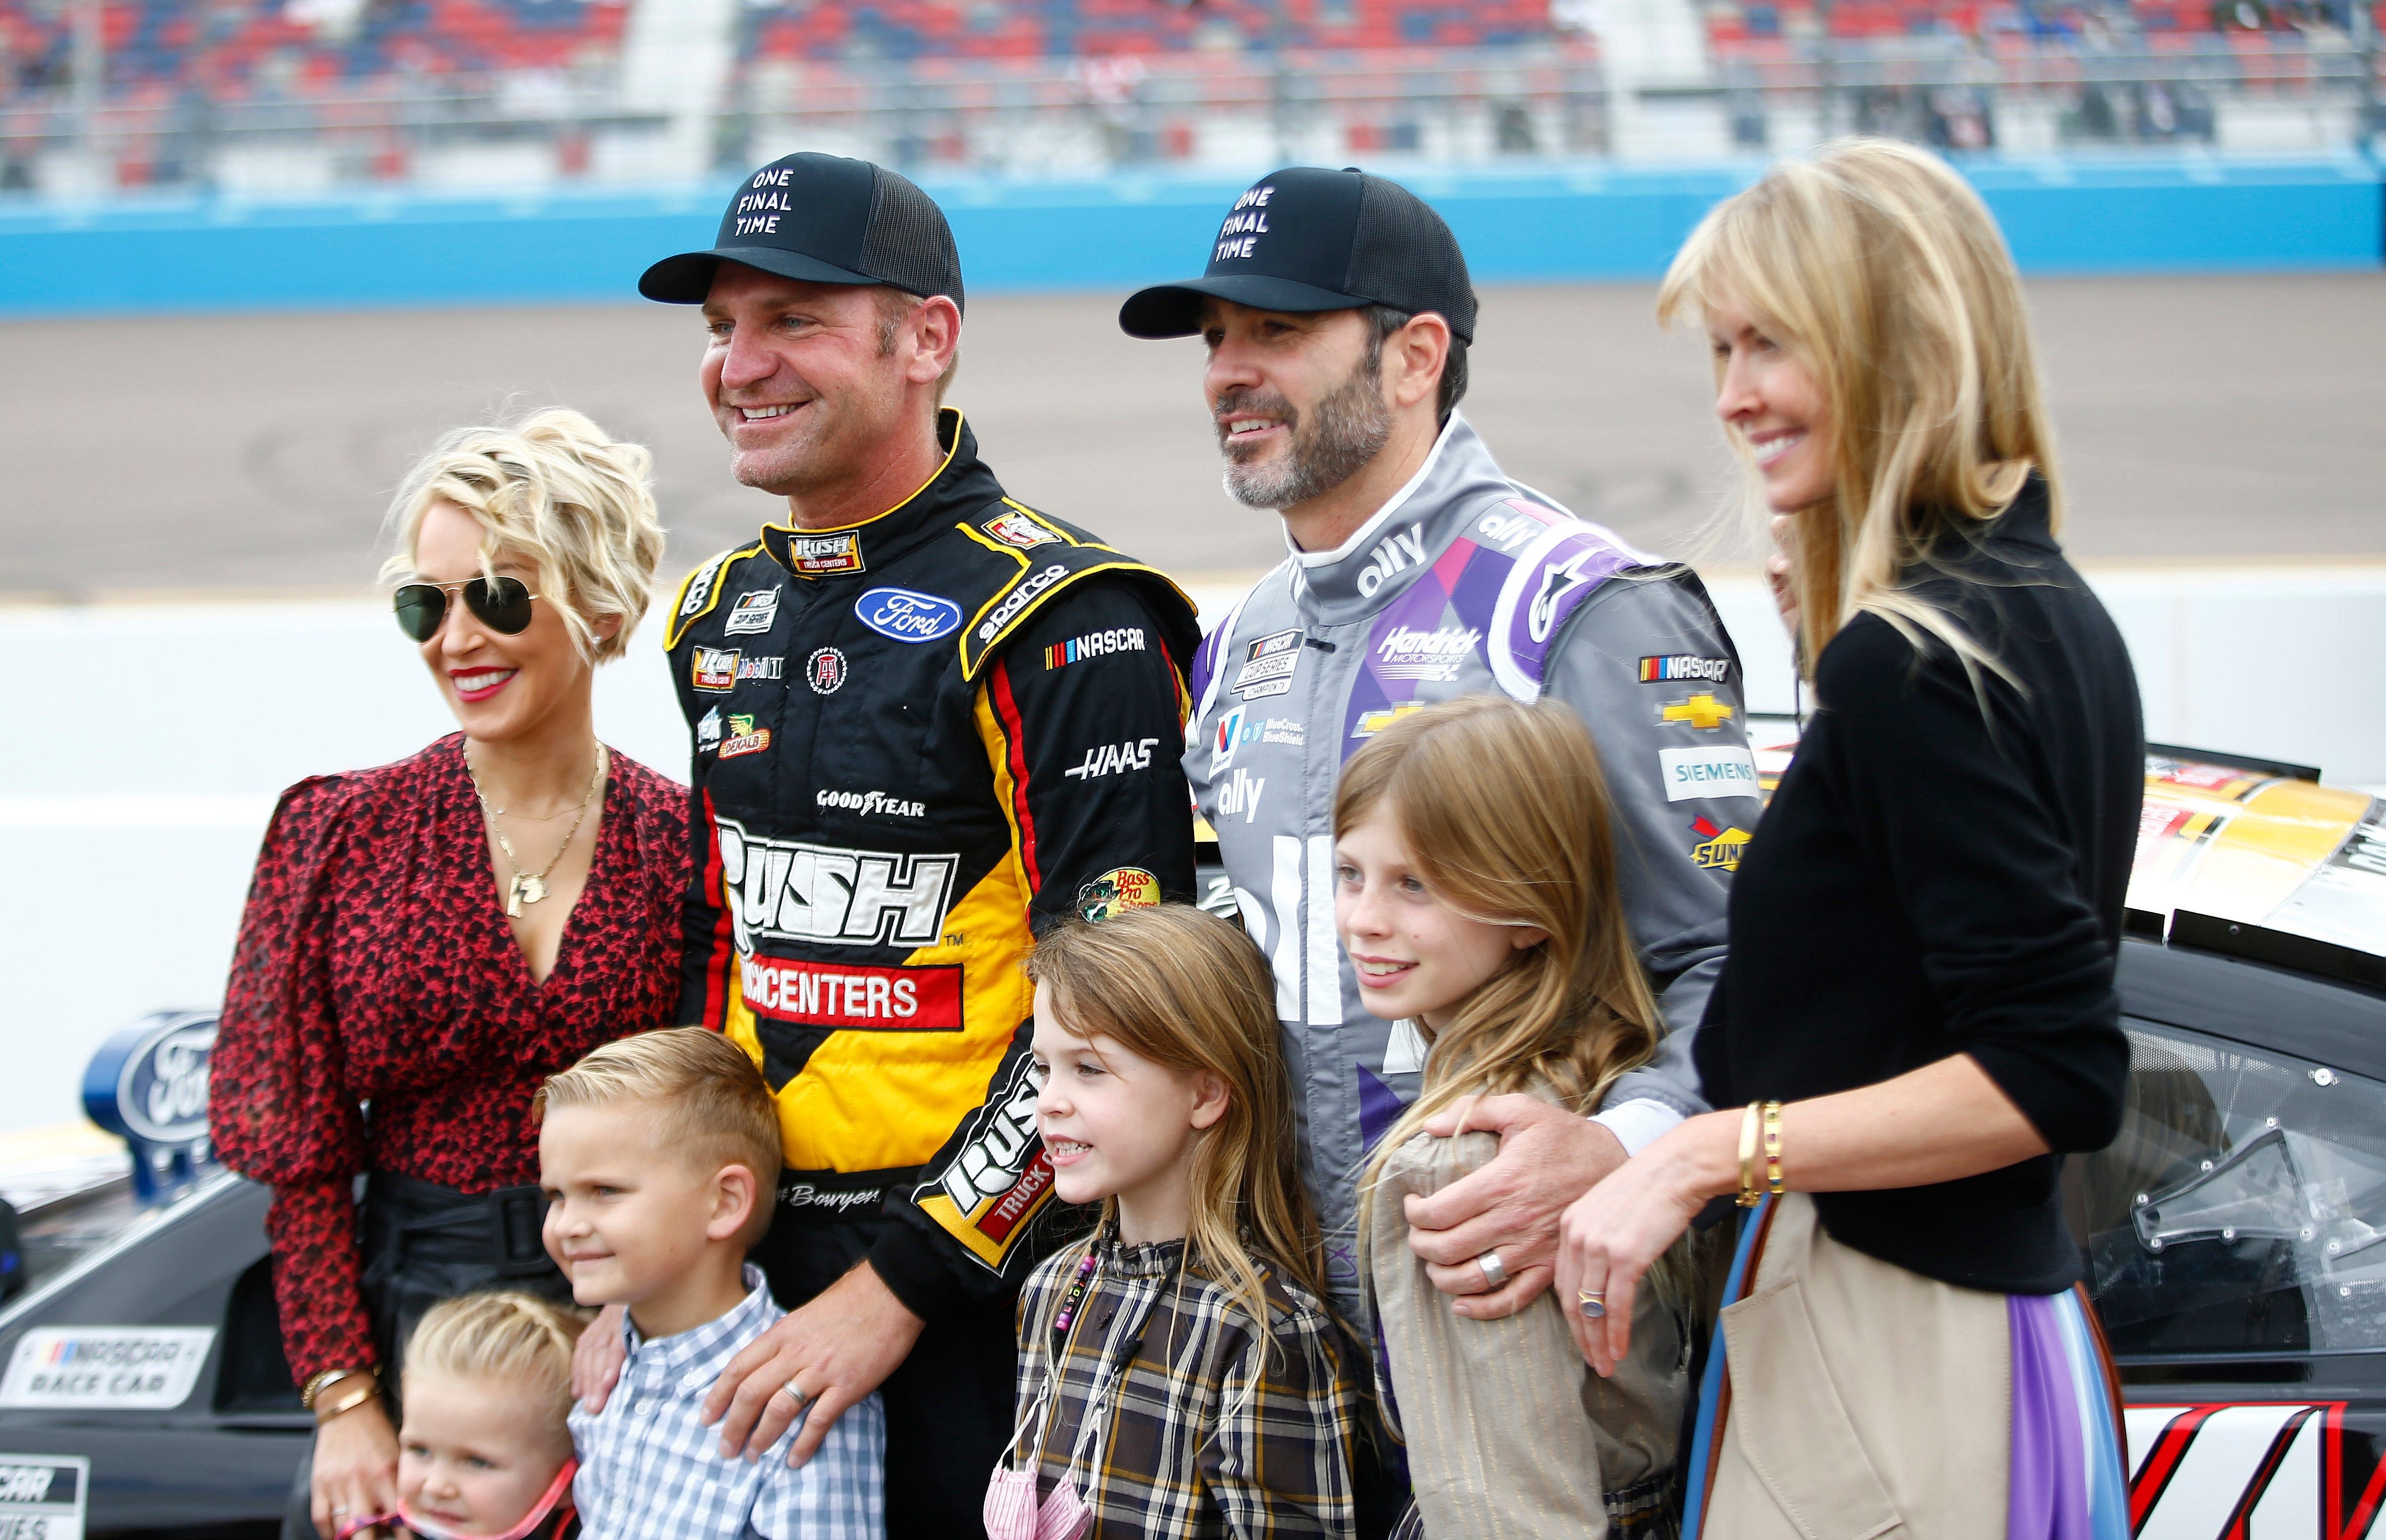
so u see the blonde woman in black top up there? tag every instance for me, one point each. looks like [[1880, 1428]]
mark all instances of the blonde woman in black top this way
[[1917, 1017]]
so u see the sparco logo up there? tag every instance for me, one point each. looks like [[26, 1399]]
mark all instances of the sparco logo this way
[[699, 587], [1403, 550], [867, 803], [1021, 598], [787, 890]]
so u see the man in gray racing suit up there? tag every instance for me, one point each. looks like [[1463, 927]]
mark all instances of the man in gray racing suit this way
[[1337, 311]]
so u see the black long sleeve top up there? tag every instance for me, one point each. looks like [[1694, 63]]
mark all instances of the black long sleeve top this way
[[1942, 871]]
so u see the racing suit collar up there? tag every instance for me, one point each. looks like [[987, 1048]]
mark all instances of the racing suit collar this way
[[961, 484], [1388, 553]]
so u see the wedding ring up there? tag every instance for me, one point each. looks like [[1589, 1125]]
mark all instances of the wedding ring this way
[[1495, 1271], [1592, 1303], [792, 1394]]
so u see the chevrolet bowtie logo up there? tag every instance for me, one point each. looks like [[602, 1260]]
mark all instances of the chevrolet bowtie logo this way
[[1701, 711]]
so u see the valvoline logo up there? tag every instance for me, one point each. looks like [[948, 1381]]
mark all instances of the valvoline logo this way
[[908, 615]]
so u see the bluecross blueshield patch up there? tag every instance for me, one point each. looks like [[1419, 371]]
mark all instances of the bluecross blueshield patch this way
[[908, 615]]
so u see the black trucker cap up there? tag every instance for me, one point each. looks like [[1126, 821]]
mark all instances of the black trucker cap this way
[[1308, 239], [827, 219]]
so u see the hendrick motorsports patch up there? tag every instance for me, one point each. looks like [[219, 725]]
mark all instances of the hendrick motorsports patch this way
[[106, 1367], [41, 1497]]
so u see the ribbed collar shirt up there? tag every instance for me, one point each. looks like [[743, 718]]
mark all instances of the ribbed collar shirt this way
[[648, 1467]]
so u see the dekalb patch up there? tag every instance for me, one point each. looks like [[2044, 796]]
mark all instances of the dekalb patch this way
[[1683, 666], [744, 737], [907, 615], [817, 556]]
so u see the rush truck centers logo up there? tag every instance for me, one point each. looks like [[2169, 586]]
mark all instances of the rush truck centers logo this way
[[818, 556], [853, 998]]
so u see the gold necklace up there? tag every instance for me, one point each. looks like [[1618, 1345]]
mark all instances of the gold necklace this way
[[529, 887]]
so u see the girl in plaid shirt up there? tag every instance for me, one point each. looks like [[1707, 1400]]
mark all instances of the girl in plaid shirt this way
[[1179, 1374]]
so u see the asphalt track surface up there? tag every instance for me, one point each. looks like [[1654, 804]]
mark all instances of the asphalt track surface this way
[[2222, 420]]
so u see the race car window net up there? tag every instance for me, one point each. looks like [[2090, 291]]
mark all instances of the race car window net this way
[[2242, 1208]]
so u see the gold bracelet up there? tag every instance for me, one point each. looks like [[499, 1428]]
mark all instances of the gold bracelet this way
[[323, 1380], [1748, 1120], [362, 1395], [1773, 1148]]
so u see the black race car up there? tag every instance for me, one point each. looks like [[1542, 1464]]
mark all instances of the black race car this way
[[2236, 1230]]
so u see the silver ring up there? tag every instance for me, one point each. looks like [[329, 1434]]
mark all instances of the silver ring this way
[[1591, 1303], [792, 1394], [1495, 1271]]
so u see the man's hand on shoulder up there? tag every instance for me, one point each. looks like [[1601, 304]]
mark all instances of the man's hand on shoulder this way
[[835, 1351], [1548, 1158]]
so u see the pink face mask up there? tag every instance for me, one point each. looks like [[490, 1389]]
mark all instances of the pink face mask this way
[[558, 1492], [1012, 1513]]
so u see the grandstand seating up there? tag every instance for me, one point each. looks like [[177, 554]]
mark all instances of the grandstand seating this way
[[238, 49], [1745, 28], [909, 30]]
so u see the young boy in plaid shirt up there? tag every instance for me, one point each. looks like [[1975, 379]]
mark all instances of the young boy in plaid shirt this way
[[660, 1154]]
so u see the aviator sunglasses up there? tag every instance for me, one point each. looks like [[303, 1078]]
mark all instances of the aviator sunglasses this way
[[500, 604]]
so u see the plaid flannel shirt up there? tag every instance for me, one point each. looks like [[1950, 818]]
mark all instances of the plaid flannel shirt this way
[[648, 1468], [1216, 1427]]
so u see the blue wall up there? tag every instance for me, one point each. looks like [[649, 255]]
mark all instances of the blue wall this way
[[395, 249]]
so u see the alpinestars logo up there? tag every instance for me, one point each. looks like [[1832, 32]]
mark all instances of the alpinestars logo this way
[[1403, 550], [1556, 583], [786, 890]]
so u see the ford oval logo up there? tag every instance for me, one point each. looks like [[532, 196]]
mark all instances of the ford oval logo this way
[[908, 615], [149, 1082]]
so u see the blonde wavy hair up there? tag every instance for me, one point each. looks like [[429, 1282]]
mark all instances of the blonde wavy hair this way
[[1190, 991], [1880, 269], [1505, 817], [555, 491], [515, 1339]]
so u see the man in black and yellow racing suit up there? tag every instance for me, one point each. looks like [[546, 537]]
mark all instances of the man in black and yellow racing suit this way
[[927, 718]]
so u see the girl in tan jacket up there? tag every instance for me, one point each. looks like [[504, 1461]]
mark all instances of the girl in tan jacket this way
[[1475, 894]]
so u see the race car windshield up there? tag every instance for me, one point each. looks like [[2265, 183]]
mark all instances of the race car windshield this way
[[2242, 1205]]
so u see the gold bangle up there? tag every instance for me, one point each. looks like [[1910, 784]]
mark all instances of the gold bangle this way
[[323, 1380], [362, 1395], [1773, 1148], [1748, 1120]]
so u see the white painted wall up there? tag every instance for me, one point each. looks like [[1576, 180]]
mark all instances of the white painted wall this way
[[142, 746]]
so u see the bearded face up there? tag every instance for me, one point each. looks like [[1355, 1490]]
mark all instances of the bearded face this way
[[1281, 454]]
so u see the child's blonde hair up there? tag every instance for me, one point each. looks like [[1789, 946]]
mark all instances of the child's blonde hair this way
[[1505, 817], [1881, 270], [707, 1094], [554, 490], [514, 1339], [1190, 989]]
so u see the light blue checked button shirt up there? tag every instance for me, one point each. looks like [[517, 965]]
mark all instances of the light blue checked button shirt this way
[[648, 1468]]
